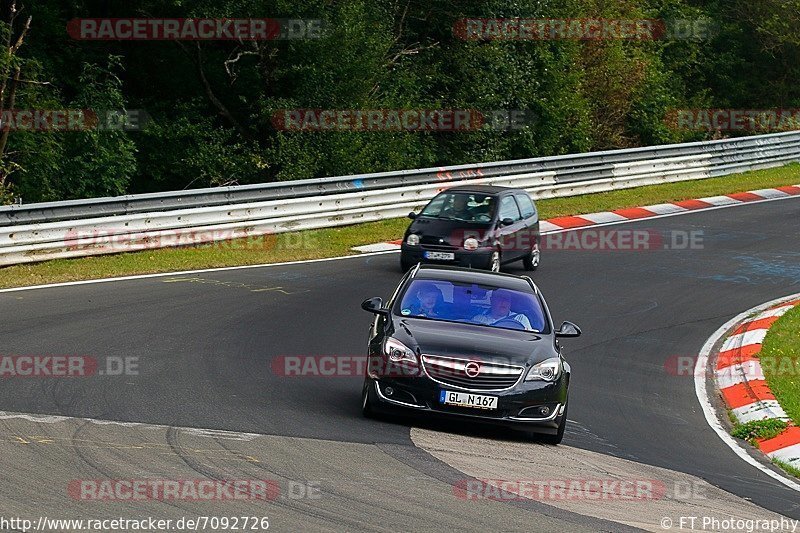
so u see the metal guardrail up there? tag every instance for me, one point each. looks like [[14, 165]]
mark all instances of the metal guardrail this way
[[37, 232]]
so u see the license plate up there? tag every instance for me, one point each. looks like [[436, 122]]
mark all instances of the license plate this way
[[441, 256], [464, 399]]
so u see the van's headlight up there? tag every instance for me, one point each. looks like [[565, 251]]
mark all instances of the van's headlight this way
[[471, 244], [413, 240], [547, 370], [396, 351]]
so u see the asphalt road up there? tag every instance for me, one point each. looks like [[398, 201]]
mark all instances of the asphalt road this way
[[206, 342]]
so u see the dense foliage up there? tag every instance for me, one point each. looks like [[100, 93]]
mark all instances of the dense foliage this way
[[211, 103]]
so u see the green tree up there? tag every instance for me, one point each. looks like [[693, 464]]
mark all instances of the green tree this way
[[212, 103]]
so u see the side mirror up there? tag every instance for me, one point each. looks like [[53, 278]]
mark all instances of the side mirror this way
[[568, 329], [506, 222], [412, 215], [374, 305]]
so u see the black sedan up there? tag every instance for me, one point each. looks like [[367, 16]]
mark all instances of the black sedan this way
[[470, 344], [477, 226]]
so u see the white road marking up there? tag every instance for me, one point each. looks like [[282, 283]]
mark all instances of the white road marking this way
[[185, 272], [739, 373], [377, 247], [778, 311], [760, 410], [720, 200], [754, 336], [770, 193], [666, 209], [548, 227], [789, 455], [197, 432], [606, 216]]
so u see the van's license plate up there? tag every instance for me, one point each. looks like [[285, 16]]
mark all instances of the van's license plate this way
[[441, 256], [463, 399]]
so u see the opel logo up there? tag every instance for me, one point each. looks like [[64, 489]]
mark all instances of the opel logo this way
[[472, 369]]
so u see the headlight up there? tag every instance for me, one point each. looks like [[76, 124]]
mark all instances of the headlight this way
[[547, 370], [413, 240], [396, 351], [471, 244]]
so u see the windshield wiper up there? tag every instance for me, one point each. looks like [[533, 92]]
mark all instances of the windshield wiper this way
[[443, 217]]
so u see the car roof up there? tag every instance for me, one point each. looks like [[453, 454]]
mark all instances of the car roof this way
[[471, 275], [484, 189]]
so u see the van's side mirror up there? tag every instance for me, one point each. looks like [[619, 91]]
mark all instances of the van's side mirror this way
[[506, 222], [568, 329], [412, 215], [374, 305]]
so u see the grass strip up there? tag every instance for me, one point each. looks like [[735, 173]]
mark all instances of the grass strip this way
[[334, 242], [758, 429]]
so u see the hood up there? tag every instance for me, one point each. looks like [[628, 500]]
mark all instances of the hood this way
[[452, 231], [473, 342]]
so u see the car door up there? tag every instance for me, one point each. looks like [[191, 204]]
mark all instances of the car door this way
[[530, 234], [509, 236]]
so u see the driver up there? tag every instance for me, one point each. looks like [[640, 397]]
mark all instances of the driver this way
[[460, 208], [501, 310]]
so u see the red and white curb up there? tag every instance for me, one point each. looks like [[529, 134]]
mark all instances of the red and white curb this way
[[744, 388], [740, 378], [635, 213]]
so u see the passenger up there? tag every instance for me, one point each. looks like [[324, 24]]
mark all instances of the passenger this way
[[427, 298], [483, 210], [501, 310]]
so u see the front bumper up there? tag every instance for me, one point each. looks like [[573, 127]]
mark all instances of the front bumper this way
[[518, 406], [480, 258]]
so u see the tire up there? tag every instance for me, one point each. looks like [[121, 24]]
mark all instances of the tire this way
[[558, 437], [367, 403], [495, 261], [532, 260]]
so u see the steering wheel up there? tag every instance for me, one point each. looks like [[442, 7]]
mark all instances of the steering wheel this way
[[509, 323]]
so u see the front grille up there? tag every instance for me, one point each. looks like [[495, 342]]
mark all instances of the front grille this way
[[451, 371], [431, 242], [439, 248]]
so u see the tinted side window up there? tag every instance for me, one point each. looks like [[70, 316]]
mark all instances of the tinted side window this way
[[526, 205], [509, 209]]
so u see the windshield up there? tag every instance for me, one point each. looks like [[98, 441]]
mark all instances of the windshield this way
[[473, 304], [467, 207]]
